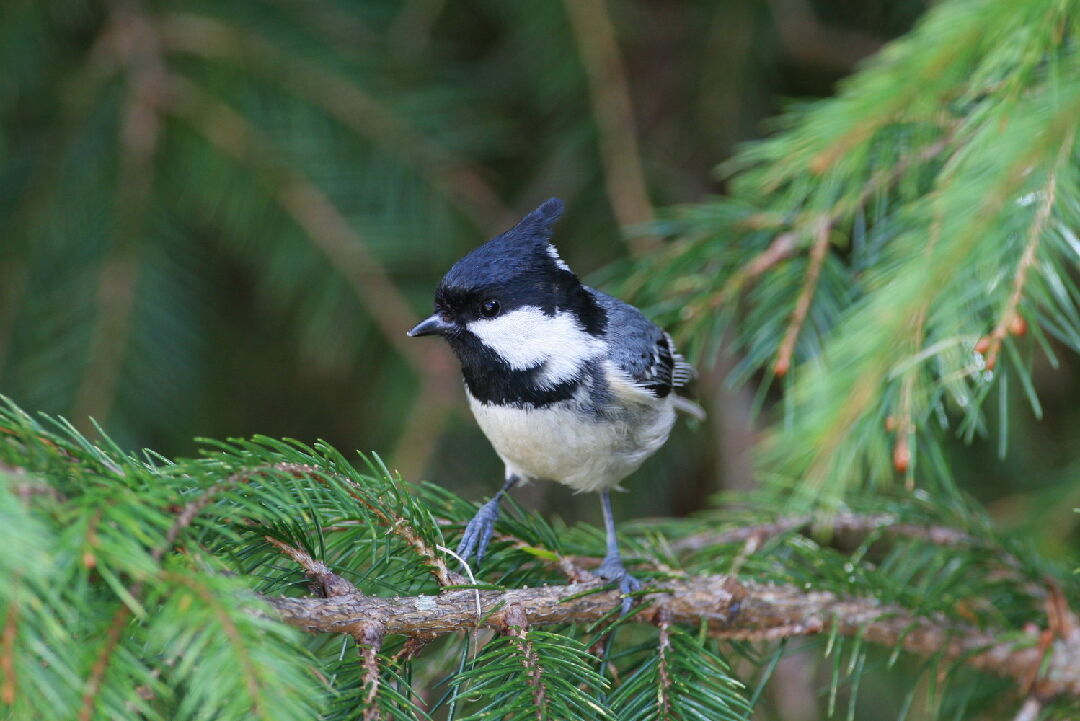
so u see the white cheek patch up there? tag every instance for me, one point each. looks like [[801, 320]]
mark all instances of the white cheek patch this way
[[559, 262], [527, 338]]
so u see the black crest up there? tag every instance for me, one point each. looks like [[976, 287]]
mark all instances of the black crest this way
[[522, 250]]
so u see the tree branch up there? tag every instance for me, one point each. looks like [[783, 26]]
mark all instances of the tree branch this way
[[730, 608]]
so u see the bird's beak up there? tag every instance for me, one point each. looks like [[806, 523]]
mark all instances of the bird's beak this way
[[435, 325]]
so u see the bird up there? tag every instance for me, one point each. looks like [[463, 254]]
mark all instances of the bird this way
[[569, 384]]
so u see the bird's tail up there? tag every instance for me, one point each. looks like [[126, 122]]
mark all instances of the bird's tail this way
[[687, 406]]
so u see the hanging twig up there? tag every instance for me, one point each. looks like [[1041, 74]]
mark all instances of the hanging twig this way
[[369, 638], [516, 625]]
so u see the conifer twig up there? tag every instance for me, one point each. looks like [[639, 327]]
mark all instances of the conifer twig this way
[[399, 526], [728, 608], [187, 514], [1010, 320], [516, 626], [663, 648], [325, 582], [369, 637], [806, 297], [784, 245], [101, 663], [781, 248]]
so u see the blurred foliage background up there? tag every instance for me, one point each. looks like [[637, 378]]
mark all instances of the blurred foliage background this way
[[220, 218]]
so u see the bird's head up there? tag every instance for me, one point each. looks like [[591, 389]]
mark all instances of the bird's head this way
[[517, 298], [516, 275]]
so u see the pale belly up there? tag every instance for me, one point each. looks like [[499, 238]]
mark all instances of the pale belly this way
[[556, 443]]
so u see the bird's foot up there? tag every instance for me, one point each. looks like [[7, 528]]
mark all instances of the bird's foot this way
[[478, 532], [612, 569]]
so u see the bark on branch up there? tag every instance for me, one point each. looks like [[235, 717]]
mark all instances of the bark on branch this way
[[731, 609]]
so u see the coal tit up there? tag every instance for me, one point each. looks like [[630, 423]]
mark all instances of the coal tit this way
[[567, 383]]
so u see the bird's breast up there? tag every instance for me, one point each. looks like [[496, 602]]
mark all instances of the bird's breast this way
[[573, 443]]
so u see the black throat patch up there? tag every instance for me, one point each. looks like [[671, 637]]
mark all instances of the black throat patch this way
[[490, 379]]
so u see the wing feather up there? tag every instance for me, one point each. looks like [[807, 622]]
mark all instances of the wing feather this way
[[642, 350]]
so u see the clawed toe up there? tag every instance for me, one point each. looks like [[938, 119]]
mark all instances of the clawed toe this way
[[478, 532], [613, 570]]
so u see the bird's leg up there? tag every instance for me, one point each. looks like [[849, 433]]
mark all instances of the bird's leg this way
[[478, 532], [612, 568]]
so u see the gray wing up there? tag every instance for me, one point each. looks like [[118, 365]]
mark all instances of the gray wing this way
[[641, 349]]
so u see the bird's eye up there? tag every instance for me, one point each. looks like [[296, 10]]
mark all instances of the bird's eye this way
[[489, 308]]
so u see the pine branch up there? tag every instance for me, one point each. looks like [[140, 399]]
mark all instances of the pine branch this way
[[806, 296], [218, 523], [1010, 320], [730, 608], [517, 625], [324, 582]]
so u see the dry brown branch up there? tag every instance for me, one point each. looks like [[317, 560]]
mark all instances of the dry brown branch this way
[[728, 607], [609, 93]]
